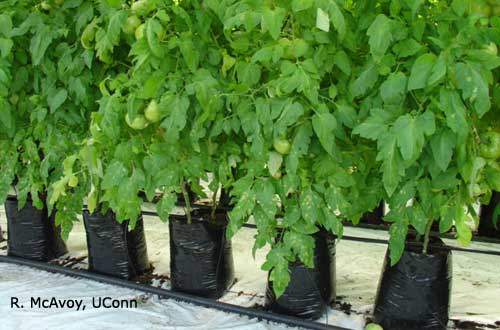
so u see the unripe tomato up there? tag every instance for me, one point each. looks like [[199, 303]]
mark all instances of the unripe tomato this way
[[141, 6], [282, 145], [138, 123], [480, 8], [277, 175], [153, 112], [491, 48], [45, 5], [132, 23], [139, 32], [373, 326], [490, 145], [73, 181]]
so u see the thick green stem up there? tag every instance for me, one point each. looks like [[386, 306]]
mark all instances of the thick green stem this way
[[427, 236], [187, 201]]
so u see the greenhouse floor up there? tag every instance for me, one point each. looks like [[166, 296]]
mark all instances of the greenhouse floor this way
[[475, 294]]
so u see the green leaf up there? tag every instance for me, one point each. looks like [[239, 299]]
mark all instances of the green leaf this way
[[166, 205], [309, 205], [474, 87], [407, 47], [409, 132], [302, 245], [154, 31], [274, 162], [5, 25], [322, 20], [421, 71], [365, 81], [39, 43], [177, 117], [341, 60], [492, 175], [324, 125], [115, 174], [455, 112], [374, 126], [447, 214], [442, 146], [57, 99], [5, 47], [417, 218], [272, 21], [299, 5], [337, 19], [392, 166], [393, 89], [397, 232], [438, 71], [380, 36]]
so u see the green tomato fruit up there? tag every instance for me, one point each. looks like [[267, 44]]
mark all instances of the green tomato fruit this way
[[490, 145], [282, 146], [132, 23], [277, 175], [480, 8], [45, 5], [141, 6], [491, 48], [373, 326], [152, 112], [138, 123], [73, 181], [139, 32]]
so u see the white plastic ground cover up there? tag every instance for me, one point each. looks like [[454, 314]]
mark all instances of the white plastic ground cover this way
[[475, 294]]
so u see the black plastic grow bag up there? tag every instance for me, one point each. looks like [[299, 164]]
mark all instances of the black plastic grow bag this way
[[486, 225], [415, 293], [310, 290], [375, 217], [31, 233], [112, 248], [201, 258]]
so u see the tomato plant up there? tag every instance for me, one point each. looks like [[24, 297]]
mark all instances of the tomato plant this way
[[311, 112], [426, 114], [47, 92]]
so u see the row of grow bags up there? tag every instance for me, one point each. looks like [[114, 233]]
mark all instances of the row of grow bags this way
[[413, 294]]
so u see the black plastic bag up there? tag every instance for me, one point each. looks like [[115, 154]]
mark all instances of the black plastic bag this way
[[112, 248], [201, 258], [31, 233], [310, 290], [375, 217], [486, 213], [415, 293]]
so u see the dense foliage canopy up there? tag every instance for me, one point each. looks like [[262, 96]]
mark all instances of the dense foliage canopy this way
[[310, 111]]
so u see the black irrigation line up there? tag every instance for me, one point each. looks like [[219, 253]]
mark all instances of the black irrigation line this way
[[178, 296], [375, 240]]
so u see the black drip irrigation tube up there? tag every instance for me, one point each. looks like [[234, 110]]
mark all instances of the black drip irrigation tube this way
[[178, 296], [376, 240]]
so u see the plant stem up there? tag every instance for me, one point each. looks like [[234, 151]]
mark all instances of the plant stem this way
[[418, 237], [427, 234], [186, 200], [214, 204]]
